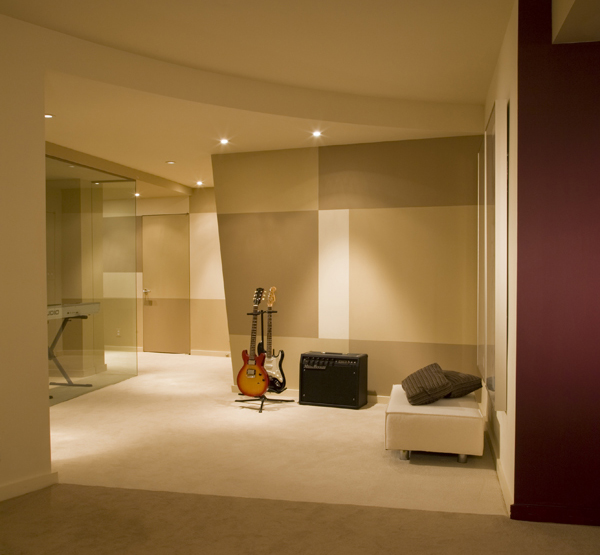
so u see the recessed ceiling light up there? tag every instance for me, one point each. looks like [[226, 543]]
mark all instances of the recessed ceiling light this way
[[71, 166], [136, 195], [199, 182], [316, 133], [224, 141], [170, 162], [48, 116]]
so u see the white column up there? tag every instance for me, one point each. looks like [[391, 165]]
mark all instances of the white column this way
[[24, 408], [334, 274]]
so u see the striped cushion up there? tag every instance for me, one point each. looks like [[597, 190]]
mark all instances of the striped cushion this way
[[426, 385], [462, 384]]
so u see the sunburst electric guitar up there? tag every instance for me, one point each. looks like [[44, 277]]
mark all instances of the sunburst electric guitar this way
[[273, 362], [252, 379]]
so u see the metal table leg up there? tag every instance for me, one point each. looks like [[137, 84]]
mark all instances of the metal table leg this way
[[52, 356]]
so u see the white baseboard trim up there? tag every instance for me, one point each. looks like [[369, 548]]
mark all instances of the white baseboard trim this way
[[15, 489], [123, 348], [504, 487], [199, 352], [507, 494], [371, 399]]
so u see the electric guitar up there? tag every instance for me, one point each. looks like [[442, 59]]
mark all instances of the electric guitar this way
[[273, 363], [252, 379]]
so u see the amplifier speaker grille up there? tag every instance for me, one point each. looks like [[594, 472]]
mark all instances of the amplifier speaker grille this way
[[333, 380]]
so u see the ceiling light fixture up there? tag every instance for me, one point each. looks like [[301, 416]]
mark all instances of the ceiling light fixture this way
[[136, 194], [199, 182], [170, 162], [224, 141], [316, 133], [48, 116]]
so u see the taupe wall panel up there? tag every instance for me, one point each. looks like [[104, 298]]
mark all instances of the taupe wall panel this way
[[139, 251], [167, 326], [272, 181], [206, 269], [203, 200], [163, 205], [427, 172], [261, 250], [119, 314], [119, 244], [139, 318], [390, 361], [209, 329], [413, 274]]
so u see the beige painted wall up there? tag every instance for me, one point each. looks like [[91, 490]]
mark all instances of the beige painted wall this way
[[372, 248], [502, 423], [119, 264], [24, 415]]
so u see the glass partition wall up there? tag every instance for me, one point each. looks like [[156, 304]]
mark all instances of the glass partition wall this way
[[91, 279]]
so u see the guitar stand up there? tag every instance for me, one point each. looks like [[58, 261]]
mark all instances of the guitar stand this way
[[262, 400]]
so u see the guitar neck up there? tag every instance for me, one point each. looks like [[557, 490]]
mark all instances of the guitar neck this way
[[252, 350], [269, 332]]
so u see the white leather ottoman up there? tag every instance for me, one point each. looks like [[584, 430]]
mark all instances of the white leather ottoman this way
[[446, 426]]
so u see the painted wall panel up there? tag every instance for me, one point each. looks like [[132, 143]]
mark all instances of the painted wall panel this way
[[277, 248], [391, 361], [164, 205], [209, 329], [427, 172], [119, 248], [272, 181], [203, 200], [334, 274], [413, 274], [206, 270]]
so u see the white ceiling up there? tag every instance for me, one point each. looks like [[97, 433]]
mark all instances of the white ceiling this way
[[144, 131], [57, 171], [438, 50], [428, 50]]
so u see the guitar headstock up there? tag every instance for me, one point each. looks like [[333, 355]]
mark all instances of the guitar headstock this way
[[271, 297], [259, 296]]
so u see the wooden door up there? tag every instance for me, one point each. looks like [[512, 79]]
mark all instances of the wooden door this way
[[166, 283]]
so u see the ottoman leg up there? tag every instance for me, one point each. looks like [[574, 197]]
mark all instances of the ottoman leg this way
[[462, 458], [404, 455]]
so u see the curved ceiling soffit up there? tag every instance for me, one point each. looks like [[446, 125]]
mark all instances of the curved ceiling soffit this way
[[66, 54]]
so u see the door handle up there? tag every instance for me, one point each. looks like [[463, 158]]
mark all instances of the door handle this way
[[145, 290]]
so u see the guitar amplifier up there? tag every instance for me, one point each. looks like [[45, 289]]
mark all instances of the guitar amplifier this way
[[333, 380]]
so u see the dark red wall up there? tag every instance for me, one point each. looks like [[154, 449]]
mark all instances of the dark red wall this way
[[557, 466]]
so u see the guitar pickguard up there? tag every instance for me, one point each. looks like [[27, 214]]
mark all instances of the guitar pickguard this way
[[274, 367]]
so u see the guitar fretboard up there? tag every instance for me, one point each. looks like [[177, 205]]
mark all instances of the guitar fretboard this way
[[269, 330], [252, 350]]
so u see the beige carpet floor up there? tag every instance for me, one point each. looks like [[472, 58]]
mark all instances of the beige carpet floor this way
[[80, 520], [177, 428]]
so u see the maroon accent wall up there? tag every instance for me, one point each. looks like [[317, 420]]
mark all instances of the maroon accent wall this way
[[557, 449]]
